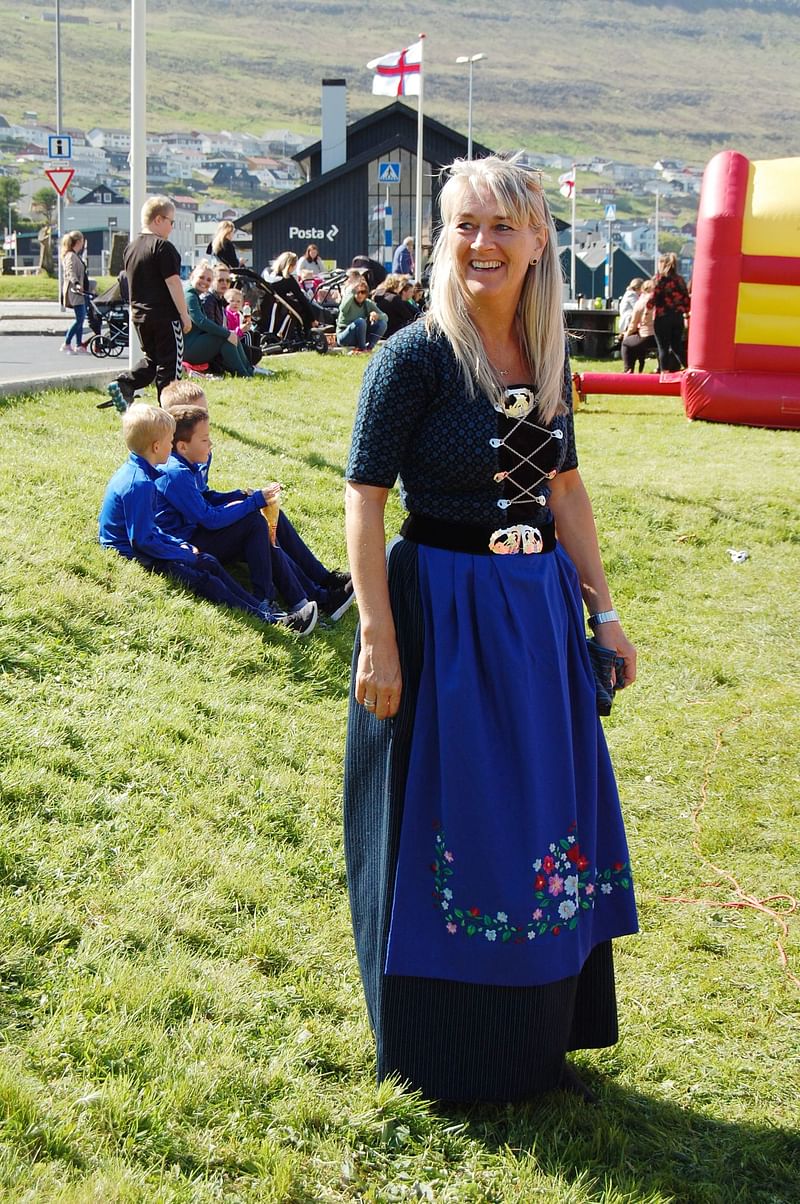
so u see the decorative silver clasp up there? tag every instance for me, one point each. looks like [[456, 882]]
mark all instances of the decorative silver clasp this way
[[510, 541]]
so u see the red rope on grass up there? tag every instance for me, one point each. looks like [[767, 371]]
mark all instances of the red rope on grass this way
[[742, 899]]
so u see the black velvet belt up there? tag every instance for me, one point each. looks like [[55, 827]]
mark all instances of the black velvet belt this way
[[480, 540]]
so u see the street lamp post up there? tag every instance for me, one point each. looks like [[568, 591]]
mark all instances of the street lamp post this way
[[59, 130], [470, 58]]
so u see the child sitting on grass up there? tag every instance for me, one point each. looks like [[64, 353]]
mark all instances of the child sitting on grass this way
[[128, 523], [229, 526]]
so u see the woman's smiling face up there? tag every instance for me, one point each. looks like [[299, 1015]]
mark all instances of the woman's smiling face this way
[[491, 251]]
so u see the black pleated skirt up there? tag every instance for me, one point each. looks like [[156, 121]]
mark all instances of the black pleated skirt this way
[[450, 1040]]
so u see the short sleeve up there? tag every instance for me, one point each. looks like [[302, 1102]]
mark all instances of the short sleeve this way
[[570, 458], [397, 386], [169, 260]]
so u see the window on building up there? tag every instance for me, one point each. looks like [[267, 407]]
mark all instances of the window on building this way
[[402, 198]]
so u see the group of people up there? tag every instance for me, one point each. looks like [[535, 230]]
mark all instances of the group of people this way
[[159, 510], [653, 316], [488, 869], [209, 323]]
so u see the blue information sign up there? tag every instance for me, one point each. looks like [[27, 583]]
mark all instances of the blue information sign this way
[[59, 146]]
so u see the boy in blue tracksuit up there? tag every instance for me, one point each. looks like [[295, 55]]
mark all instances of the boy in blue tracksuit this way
[[128, 522], [231, 527]]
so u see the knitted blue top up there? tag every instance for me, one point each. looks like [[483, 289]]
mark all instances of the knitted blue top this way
[[458, 459]]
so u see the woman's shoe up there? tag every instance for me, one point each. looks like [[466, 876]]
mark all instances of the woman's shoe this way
[[573, 1084], [66, 347]]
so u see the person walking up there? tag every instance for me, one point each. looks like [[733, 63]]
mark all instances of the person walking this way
[[75, 290], [158, 306]]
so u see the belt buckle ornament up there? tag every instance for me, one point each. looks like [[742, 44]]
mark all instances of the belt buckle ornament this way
[[519, 539]]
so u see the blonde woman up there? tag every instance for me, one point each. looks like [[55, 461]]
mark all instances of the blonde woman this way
[[640, 337], [487, 861], [222, 247], [75, 290]]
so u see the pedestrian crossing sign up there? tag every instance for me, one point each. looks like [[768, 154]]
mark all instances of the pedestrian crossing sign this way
[[388, 173]]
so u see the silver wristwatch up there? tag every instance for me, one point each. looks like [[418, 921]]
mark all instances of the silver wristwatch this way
[[603, 616]]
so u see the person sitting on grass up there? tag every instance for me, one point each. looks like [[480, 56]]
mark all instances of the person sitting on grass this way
[[360, 323], [128, 523], [240, 321], [231, 527], [208, 339]]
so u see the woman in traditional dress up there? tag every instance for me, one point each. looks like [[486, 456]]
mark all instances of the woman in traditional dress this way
[[487, 862]]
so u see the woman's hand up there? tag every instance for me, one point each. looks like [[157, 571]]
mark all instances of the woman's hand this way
[[233, 339], [378, 678], [611, 635]]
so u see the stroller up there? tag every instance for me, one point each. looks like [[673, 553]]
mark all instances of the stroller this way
[[285, 316], [108, 318]]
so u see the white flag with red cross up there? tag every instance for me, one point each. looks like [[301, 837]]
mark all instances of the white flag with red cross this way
[[398, 73], [566, 183]]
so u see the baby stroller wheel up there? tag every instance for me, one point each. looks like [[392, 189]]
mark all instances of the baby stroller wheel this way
[[116, 347], [101, 346], [320, 343]]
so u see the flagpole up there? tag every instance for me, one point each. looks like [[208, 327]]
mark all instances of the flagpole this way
[[418, 256], [572, 285]]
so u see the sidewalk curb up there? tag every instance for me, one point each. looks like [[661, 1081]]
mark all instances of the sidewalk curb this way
[[75, 382]]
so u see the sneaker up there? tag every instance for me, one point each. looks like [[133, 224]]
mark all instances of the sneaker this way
[[121, 396], [302, 621], [337, 579], [66, 347], [81, 350], [262, 372], [271, 613], [339, 601], [358, 351]]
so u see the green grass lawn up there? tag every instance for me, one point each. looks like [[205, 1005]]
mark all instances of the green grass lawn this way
[[180, 1010], [39, 288]]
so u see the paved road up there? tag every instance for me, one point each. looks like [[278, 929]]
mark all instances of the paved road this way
[[37, 357]]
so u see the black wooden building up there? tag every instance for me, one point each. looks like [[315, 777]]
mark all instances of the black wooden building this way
[[342, 210]]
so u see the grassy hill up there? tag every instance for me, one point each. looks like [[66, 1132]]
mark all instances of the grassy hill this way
[[614, 77]]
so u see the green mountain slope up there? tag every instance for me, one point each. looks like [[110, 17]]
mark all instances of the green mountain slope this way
[[635, 80]]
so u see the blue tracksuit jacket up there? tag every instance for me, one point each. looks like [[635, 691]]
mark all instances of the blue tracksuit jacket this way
[[127, 517], [185, 502]]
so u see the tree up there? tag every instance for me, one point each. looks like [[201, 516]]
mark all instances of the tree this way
[[9, 194], [45, 202]]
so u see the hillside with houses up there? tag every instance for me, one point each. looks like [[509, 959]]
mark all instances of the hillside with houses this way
[[217, 175]]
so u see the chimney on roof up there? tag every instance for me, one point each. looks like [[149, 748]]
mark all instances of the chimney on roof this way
[[334, 124]]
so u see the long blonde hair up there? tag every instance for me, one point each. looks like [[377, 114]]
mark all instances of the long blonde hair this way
[[284, 264], [70, 241], [540, 321], [223, 233]]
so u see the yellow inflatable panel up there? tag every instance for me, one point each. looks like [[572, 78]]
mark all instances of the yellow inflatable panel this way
[[771, 215], [768, 314]]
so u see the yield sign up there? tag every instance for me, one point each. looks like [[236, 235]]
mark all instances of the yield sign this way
[[60, 178]]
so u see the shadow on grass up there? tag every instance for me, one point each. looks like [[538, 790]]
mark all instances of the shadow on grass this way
[[313, 459], [247, 440], [597, 411], [643, 1146]]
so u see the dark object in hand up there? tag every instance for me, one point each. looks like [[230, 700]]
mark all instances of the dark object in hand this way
[[604, 660]]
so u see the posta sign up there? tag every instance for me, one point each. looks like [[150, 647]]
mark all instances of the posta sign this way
[[313, 234]]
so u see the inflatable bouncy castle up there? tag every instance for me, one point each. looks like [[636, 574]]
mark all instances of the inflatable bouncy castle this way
[[744, 334]]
